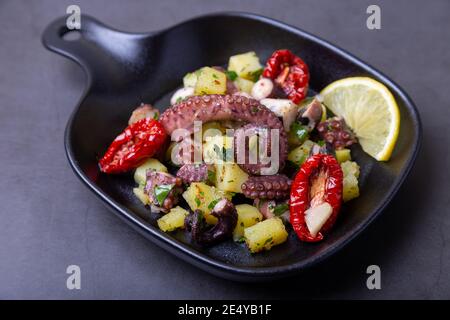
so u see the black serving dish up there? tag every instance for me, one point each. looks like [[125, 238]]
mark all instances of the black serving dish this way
[[125, 69]]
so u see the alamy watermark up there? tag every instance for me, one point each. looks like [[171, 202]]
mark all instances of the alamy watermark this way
[[73, 21], [74, 279], [374, 280], [373, 21], [249, 146]]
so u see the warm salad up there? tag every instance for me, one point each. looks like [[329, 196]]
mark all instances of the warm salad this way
[[244, 152]]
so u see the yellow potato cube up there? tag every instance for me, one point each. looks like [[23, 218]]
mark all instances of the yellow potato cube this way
[[204, 197], [210, 81], [141, 195], [173, 220], [247, 216], [141, 171], [266, 234], [244, 85], [246, 65], [230, 177]]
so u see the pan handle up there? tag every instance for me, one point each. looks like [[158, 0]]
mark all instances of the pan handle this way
[[99, 49]]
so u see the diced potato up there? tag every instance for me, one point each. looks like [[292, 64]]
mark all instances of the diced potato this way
[[208, 131], [266, 234], [351, 189], [141, 195], [190, 80], [247, 216], [301, 153], [350, 168], [213, 149], [203, 197], [151, 164], [246, 65], [210, 81], [351, 174], [244, 85], [297, 134], [343, 155], [173, 220], [230, 177]]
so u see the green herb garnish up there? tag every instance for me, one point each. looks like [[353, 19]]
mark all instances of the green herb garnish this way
[[231, 75], [179, 99], [197, 201], [241, 240], [280, 209], [201, 216], [268, 241], [212, 204], [156, 116], [300, 131], [254, 76], [162, 191], [321, 143], [211, 176]]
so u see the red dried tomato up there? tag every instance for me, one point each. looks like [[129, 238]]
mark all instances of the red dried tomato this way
[[301, 198], [290, 73], [137, 142]]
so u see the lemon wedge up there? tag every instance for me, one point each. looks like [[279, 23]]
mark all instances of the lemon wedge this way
[[369, 109]]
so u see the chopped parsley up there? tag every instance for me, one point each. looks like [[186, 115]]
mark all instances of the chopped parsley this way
[[231, 75], [215, 76], [321, 143], [197, 201], [162, 191], [213, 203], [201, 216], [300, 131], [179, 99], [241, 240], [156, 116], [269, 240], [254, 76], [280, 209], [211, 175]]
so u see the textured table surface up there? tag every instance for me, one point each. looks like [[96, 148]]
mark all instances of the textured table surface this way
[[49, 220]]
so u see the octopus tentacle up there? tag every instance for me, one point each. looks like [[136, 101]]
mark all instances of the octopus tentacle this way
[[223, 107], [269, 187]]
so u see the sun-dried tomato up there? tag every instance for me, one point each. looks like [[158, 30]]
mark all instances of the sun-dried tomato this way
[[137, 142], [288, 72]]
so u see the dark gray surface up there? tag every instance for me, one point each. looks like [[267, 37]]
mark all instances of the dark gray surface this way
[[49, 220]]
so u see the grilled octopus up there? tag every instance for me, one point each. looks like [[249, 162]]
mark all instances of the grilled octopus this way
[[225, 107]]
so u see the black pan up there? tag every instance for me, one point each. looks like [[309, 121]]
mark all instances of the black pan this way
[[125, 69]]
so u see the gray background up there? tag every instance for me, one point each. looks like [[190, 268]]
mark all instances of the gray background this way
[[49, 220]]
